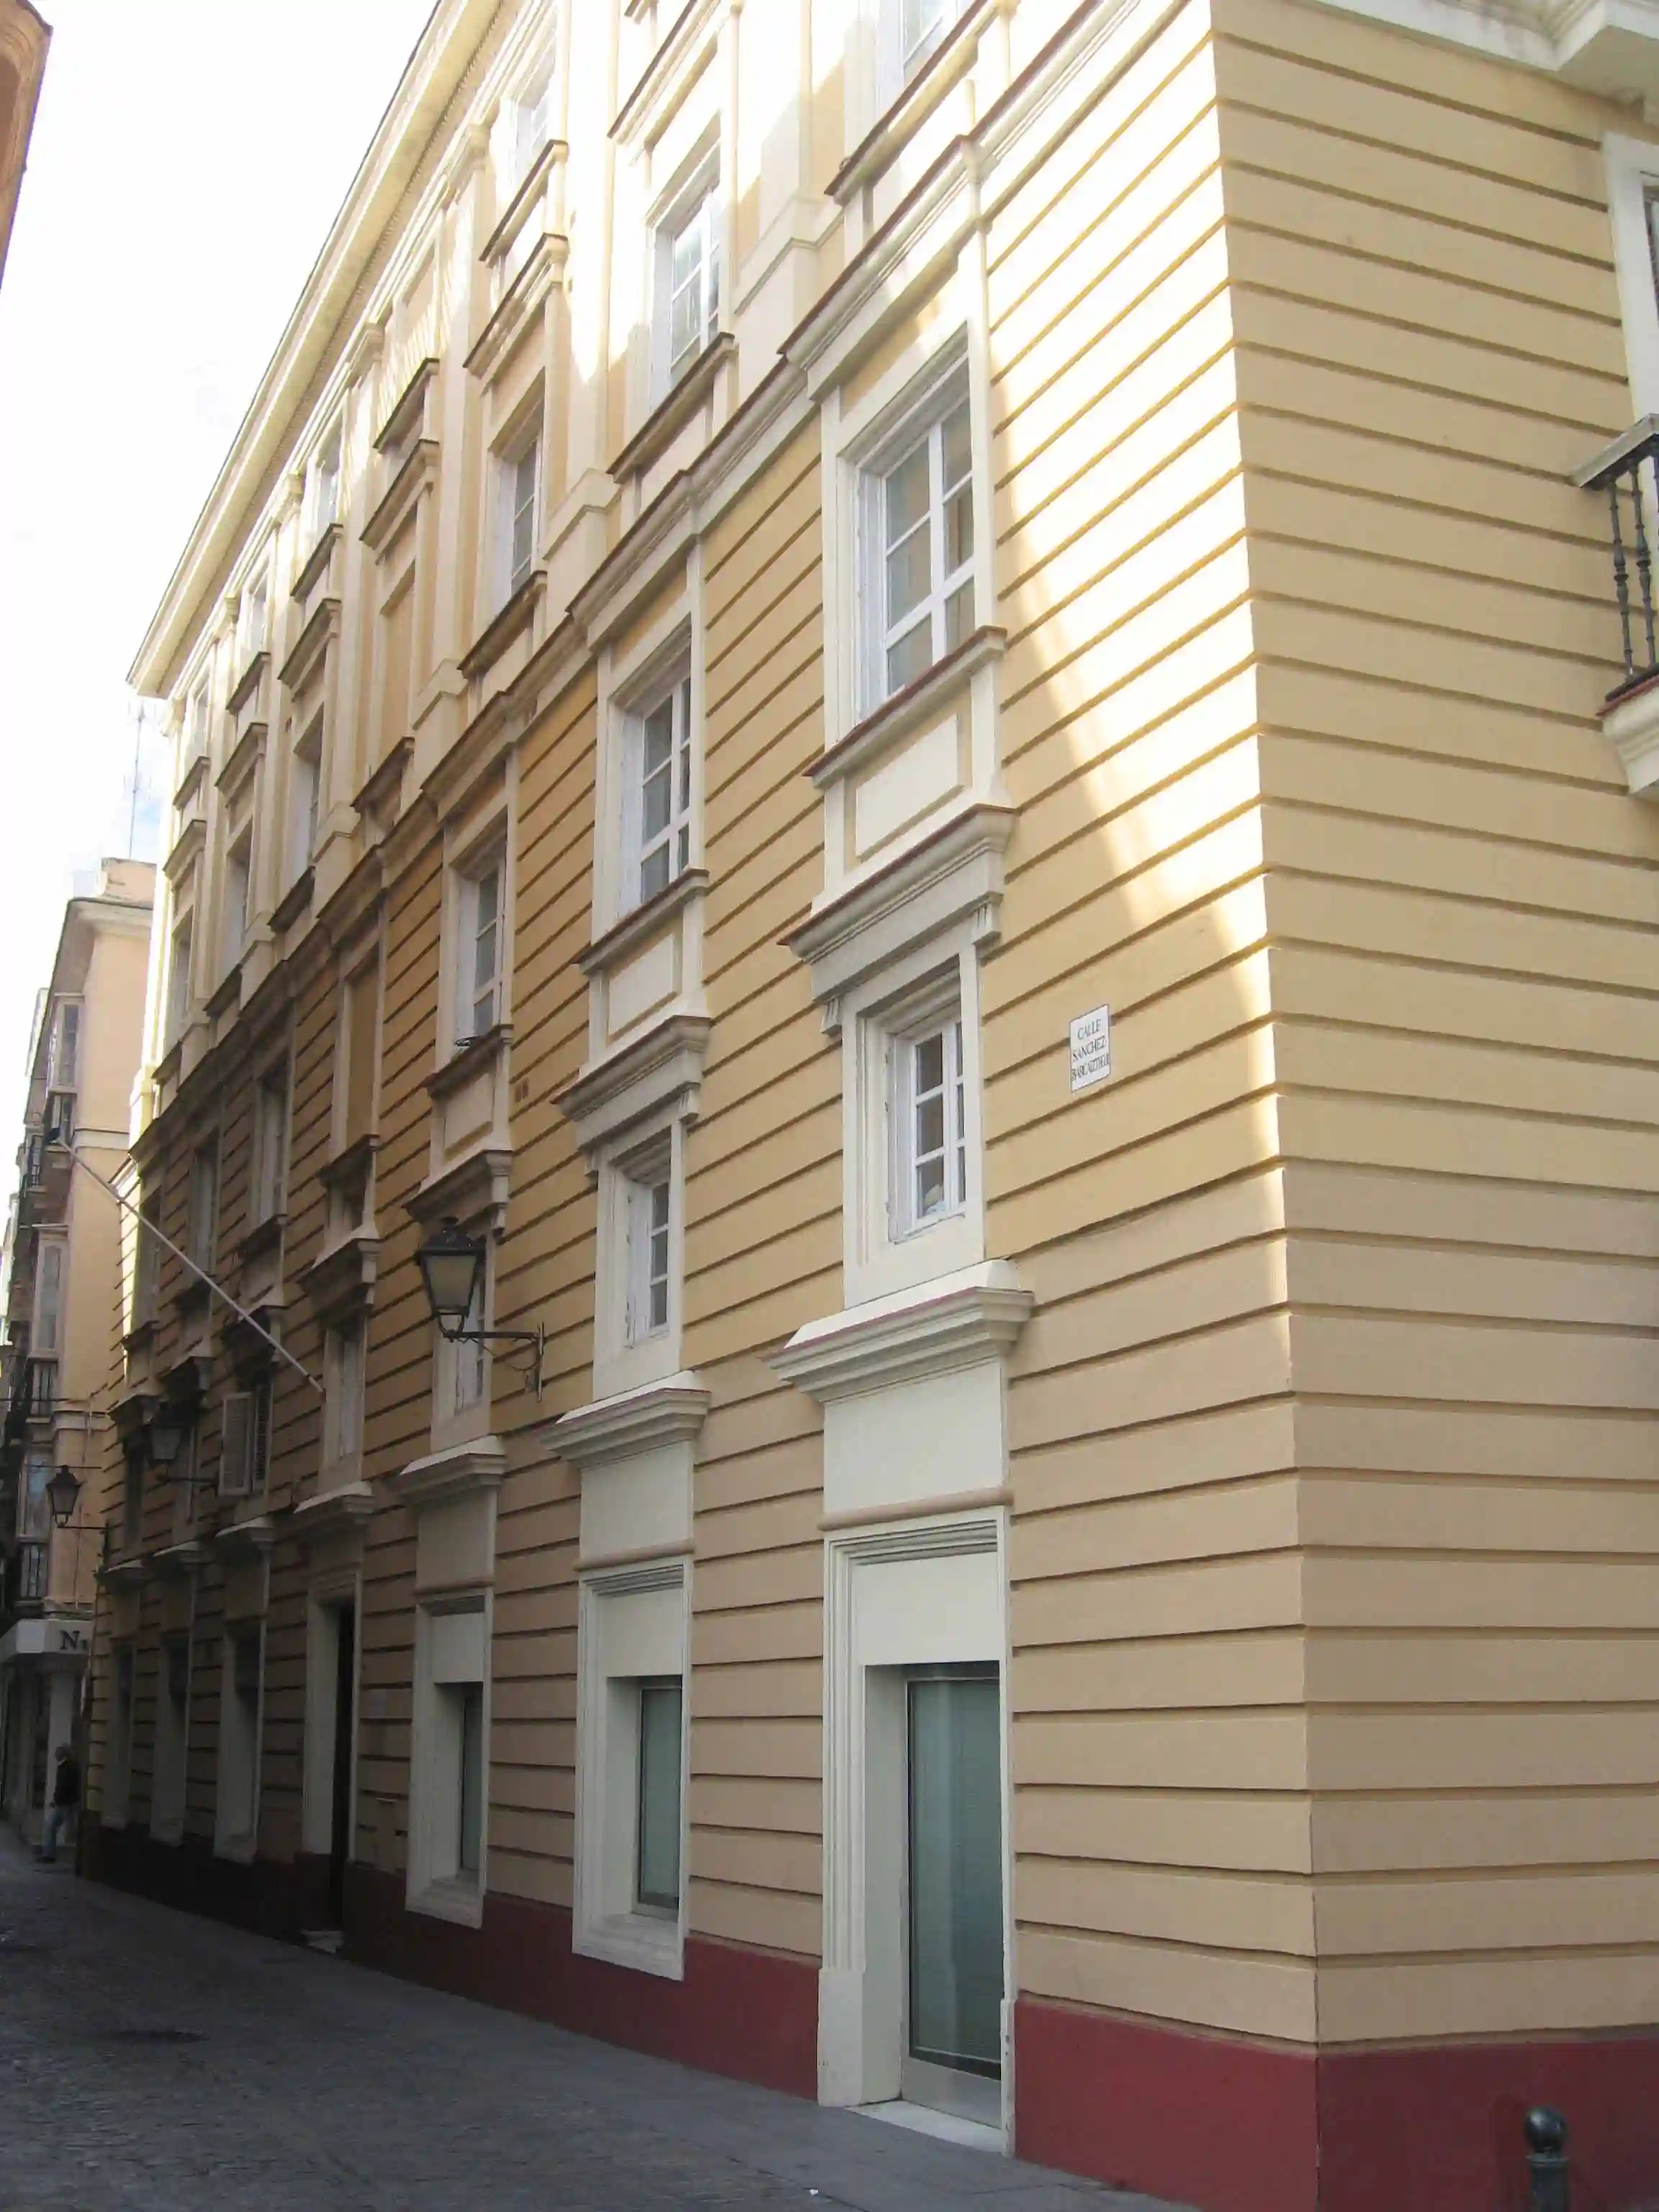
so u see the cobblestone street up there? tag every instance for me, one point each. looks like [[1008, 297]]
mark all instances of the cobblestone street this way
[[154, 2062]]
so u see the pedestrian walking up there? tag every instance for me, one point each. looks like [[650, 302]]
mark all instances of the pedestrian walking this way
[[65, 1803]]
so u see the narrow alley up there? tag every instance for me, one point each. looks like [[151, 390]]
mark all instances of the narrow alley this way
[[154, 2062]]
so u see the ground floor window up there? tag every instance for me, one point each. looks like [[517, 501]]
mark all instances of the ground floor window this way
[[953, 1904], [450, 1795], [630, 1756]]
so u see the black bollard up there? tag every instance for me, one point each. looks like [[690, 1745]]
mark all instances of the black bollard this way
[[1549, 2181]]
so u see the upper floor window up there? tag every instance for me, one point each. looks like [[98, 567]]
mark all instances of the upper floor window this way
[[518, 483], [196, 726], [269, 1143], [179, 978], [354, 1068], [532, 126], [64, 1060], [306, 795], [342, 1373], [239, 881], [649, 1198], [913, 30], [147, 1262], [202, 1225], [478, 1006], [918, 518], [45, 1334], [255, 615], [659, 799], [244, 1454], [688, 304], [929, 1123], [325, 483]]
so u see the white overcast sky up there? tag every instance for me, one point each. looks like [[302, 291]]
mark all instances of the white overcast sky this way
[[187, 160]]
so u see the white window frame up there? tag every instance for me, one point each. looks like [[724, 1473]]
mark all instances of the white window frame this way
[[452, 1655], [51, 1295], [197, 723], [469, 988], [327, 475], [241, 1735], [678, 835], [518, 515], [897, 63], [910, 1089], [307, 799], [202, 1219], [179, 994], [239, 892], [63, 1059], [886, 1249], [626, 1355], [532, 125], [1632, 167], [649, 1202], [255, 616], [633, 1626], [344, 1369], [698, 206], [270, 1141], [923, 425]]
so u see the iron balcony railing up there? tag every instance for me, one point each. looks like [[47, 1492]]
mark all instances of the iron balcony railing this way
[[1628, 473]]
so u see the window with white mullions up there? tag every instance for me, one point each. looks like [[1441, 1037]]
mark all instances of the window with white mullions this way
[[931, 1177], [520, 480], [664, 791], [479, 1008], [648, 1214], [922, 25], [927, 550], [691, 282]]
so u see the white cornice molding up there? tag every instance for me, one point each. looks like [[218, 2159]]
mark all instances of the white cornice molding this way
[[346, 1511], [1632, 727], [668, 1412], [434, 74], [664, 1067], [1605, 46], [457, 1472], [252, 1538], [953, 874], [956, 1321]]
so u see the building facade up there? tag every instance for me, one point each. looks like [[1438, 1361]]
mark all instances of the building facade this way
[[24, 38], [908, 700], [61, 1254]]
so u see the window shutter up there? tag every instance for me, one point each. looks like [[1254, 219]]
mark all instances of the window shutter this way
[[236, 1444]]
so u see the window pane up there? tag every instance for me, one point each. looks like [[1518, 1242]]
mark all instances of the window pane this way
[[930, 1062], [910, 658], [955, 1872], [657, 1866], [906, 500], [922, 25], [653, 873], [957, 442], [907, 577], [958, 616], [469, 1843]]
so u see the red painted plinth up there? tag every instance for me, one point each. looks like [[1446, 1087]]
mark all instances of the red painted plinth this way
[[1227, 2126], [752, 2014]]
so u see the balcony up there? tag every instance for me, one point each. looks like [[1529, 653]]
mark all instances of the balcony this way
[[34, 1391], [1626, 473]]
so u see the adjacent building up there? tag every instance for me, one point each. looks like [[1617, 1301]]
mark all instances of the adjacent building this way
[[897, 714], [24, 38], [60, 1257]]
